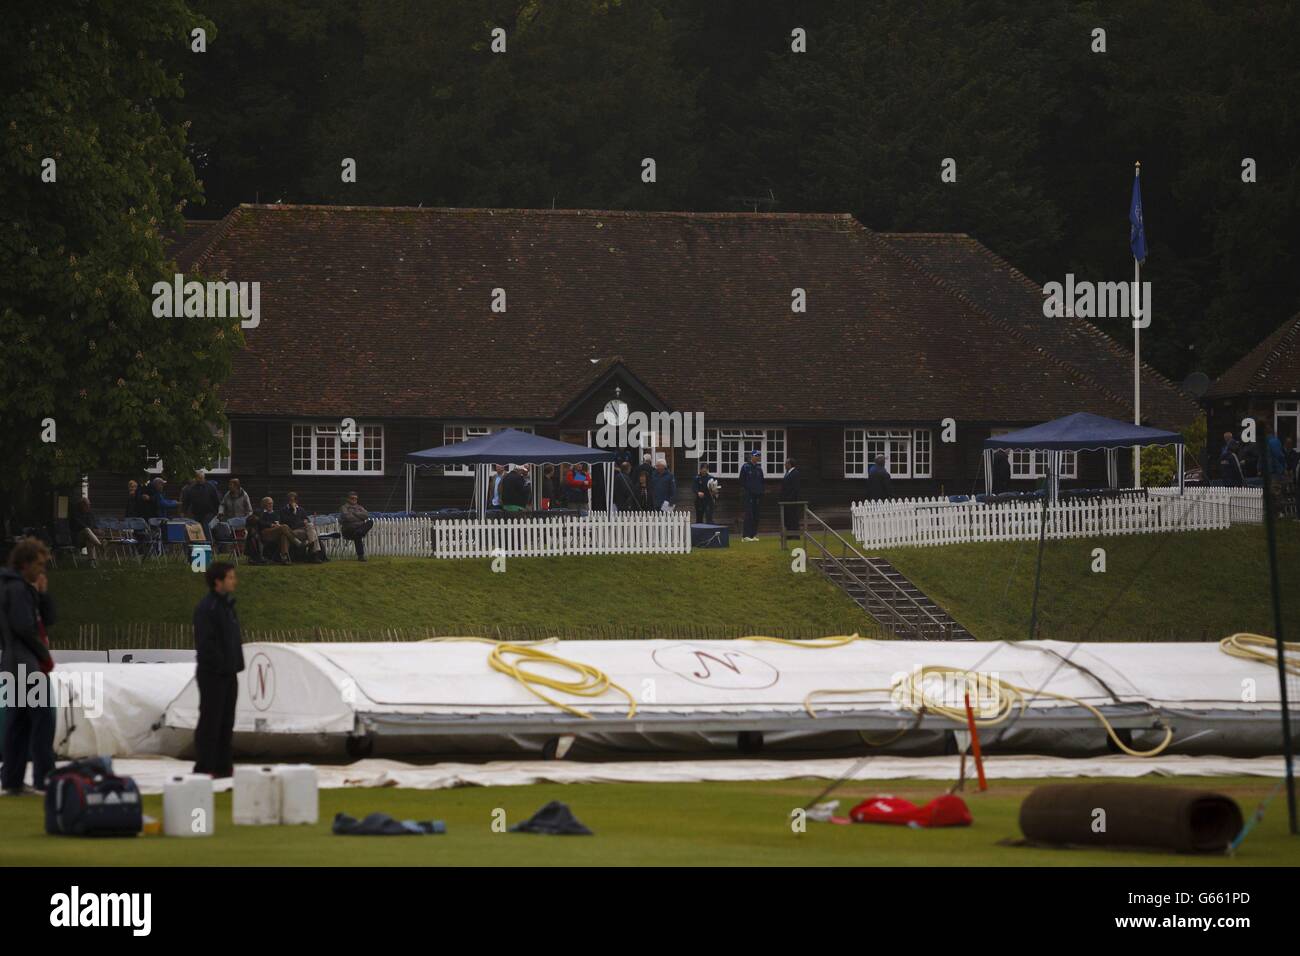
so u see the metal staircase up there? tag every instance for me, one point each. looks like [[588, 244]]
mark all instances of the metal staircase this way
[[878, 587]]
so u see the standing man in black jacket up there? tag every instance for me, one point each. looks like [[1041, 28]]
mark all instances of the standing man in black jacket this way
[[751, 486], [201, 501], [25, 656], [220, 653]]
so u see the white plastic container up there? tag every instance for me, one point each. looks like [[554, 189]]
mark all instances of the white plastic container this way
[[256, 800], [187, 806], [299, 793]]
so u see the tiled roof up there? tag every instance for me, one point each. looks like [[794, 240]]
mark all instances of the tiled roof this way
[[373, 311], [1270, 368], [981, 277]]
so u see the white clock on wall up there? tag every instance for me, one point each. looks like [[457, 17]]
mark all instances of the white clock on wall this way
[[616, 412]]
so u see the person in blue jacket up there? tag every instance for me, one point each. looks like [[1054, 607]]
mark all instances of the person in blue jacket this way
[[161, 503], [703, 496], [1274, 464], [663, 486], [751, 486]]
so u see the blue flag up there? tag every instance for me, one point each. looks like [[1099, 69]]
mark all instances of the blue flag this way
[[1137, 231]]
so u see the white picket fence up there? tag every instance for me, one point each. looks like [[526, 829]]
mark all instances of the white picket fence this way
[[1246, 505], [623, 533], [921, 522]]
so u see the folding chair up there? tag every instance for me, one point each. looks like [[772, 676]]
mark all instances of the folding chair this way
[[156, 529], [223, 538], [239, 533], [327, 530], [63, 542], [138, 536]]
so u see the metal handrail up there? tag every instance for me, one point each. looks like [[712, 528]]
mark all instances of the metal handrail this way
[[917, 629]]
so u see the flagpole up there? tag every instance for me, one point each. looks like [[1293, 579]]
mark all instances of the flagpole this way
[[1137, 357]]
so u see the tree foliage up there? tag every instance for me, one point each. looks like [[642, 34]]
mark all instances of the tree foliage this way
[[79, 255]]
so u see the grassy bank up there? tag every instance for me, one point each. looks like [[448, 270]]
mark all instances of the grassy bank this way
[[1199, 585], [1185, 586], [748, 589]]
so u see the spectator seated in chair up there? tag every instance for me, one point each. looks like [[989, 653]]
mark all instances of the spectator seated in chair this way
[[272, 534], [294, 516], [355, 523], [82, 524]]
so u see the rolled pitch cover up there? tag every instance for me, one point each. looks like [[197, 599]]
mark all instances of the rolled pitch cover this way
[[1130, 814]]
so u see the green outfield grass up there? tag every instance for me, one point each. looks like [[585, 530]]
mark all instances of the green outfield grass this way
[[1182, 586], [635, 825], [1193, 585]]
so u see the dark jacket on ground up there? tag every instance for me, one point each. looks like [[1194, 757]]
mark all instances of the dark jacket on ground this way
[[663, 486], [514, 490], [21, 635], [751, 478], [217, 642]]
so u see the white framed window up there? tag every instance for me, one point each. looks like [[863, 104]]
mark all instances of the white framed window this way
[[1032, 463], [153, 464], [908, 451], [727, 449], [222, 465], [322, 450], [453, 434], [1026, 463], [1286, 418]]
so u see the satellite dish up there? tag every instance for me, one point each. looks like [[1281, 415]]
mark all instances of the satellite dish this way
[[1196, 384]]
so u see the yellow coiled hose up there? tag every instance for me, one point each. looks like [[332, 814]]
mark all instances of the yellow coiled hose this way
[[1256, 647]]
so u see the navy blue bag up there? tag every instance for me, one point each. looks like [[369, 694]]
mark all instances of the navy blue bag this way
[[85, 798]]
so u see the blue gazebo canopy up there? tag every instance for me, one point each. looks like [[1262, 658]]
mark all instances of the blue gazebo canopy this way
[[507, 447], [1084, 431]]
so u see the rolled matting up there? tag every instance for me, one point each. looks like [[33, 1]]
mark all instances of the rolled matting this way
[[1130, 814]]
